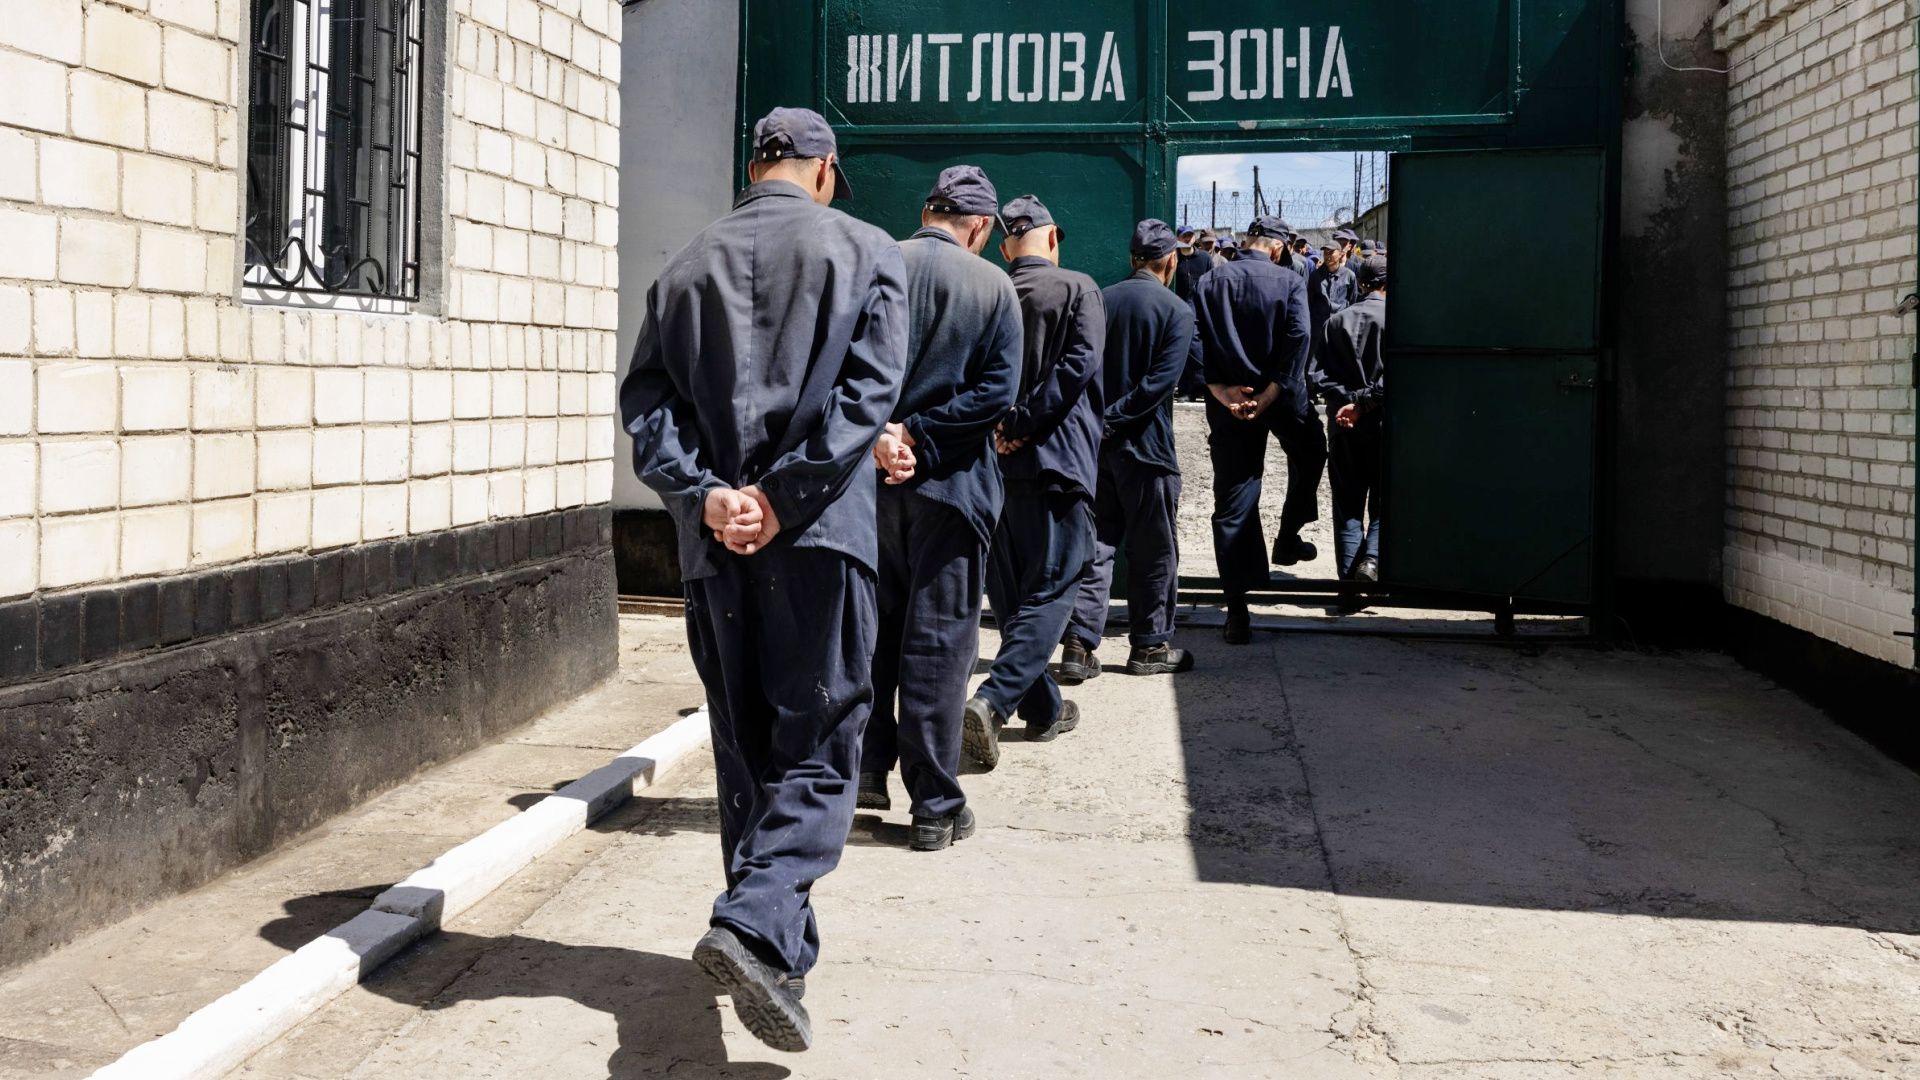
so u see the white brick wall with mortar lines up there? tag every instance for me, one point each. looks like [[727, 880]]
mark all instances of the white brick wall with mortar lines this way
[[150, 423], [1822, 219]]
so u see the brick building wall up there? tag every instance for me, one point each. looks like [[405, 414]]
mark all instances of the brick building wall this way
[[1822, 219], [260, 560], [152, 423]]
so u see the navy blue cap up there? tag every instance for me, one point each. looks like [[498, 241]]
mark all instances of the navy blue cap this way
[[1152, 239], [1372, 272], [799, 133], [964, 189], [1185, 229], [1346, 234], [1366, 246], [1267, 225], [1025, 214], [1227, 242]]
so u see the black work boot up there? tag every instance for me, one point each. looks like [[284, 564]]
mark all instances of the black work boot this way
[[1077, 664], [873, 792], [980, 731], [1366, 569], [1159, 660], [939, 833], [762, 996], [1289, 549], [1067, 720], [1239, 628]]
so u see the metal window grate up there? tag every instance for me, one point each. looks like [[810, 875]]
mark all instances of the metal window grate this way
[[333, 161]]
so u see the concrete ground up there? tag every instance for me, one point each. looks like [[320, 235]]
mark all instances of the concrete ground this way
[[1313, 857]]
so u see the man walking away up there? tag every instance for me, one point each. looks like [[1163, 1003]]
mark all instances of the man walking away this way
[[937, 511], [1252, 325], [771, 356], [1049, 446], [1330, 288], [1352, 377], [1149, 333]]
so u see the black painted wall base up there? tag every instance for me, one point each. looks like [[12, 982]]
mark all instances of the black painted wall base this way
[[138, 777], [646, 549]]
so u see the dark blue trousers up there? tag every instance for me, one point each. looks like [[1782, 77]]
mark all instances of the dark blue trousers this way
[[783, 640], [1137, 504], [1239, 452], [1040, 552], [1353, 472], [932, 568]]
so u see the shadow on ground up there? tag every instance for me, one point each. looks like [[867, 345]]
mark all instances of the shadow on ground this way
[[664, 1008], [1577, 780]]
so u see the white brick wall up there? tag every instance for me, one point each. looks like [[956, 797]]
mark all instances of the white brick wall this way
[[151, 422], [1822, 220]]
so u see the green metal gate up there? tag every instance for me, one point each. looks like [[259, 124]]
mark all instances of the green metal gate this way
[[1091, 105]]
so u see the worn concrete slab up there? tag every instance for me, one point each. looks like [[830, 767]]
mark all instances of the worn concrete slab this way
[[1310, 857]]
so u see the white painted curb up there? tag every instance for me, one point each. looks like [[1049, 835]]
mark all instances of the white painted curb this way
[[218, 1037]]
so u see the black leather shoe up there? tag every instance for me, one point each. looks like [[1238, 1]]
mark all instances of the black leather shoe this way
[[1367, 569], [1068, 719], [763, 998], [873, 792], [980, 731], [1077, 664], [939, 833], [1239, 628], [1159, 660], [1290, 549]]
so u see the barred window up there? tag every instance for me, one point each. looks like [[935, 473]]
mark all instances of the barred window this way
[[333, 159]]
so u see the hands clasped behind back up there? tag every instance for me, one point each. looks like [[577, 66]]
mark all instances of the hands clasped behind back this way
[[741, 520]]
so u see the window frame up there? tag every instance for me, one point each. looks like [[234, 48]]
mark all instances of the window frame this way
[[371, 218]]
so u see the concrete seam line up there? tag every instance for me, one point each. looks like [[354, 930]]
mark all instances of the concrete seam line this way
[[219, 1036]]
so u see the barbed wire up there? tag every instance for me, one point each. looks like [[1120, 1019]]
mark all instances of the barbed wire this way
[[1303, 207]]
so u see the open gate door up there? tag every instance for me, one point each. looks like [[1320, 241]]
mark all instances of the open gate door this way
[[1493, 346]]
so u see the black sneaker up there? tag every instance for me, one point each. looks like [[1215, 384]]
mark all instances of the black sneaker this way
[[980, 731], [1077, 664], [1239, 628], [763, 998], [1159, 660], [939, 833], [873, 792], [1068, 719], [1290, 549]]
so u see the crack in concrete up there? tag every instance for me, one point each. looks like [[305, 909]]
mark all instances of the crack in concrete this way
[[116, 1012], [1363, 1035]]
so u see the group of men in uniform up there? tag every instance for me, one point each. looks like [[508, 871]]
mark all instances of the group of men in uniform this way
[[857, 438]]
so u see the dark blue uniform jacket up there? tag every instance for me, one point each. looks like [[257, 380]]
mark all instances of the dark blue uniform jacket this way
[[773, 351], [1328, 291], [963, 369], [1058, 411], [1149, 332], [1353, 368], [1251, 325]]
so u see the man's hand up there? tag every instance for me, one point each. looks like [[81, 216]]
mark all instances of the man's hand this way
[[769, 521], [1346, 415], [1003, 444], [1239, 400], [893, 454], [1261, 401], [735, 518]]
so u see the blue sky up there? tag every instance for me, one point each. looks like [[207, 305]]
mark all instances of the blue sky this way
[[1329, 172]]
